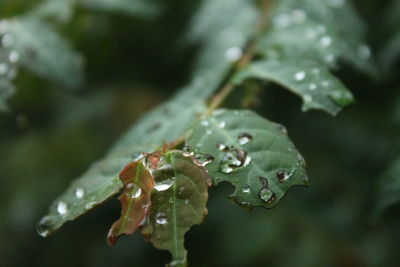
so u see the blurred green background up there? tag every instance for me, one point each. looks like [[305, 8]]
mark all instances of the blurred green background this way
[[133, 63]]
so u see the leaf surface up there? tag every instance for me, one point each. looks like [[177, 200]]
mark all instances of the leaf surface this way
[[250, 152], [178, 202], [135, 199], [318, 88]]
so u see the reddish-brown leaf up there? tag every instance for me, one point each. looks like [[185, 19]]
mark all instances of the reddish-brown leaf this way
[[135, 200]]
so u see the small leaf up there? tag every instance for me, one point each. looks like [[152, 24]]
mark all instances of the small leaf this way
[[313, 83], [135, 200], [252, 153], [178, 202]]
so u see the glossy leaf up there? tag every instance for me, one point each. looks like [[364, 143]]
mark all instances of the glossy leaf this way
[[253, 154], [178, 202], [42, 51], [135, 199], [318, 88]]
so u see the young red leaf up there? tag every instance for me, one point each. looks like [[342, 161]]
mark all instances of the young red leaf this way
[[135, 200]]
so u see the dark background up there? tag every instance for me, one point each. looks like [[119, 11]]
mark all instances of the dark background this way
[[51, 135]]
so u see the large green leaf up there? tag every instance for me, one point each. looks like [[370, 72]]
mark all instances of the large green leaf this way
[[318, 88], [41, 50], [389, 188], [135, 199], [252, 153], [178, 202]]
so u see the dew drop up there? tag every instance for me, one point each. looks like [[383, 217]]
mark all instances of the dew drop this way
[[244, 138], [236, 158], [325, 41], [204, 159], [222, 147], [233, 54], [7, 40], [3, 68], [136, 193], [312, 86], [44, 226], [79, 192], [267, 195], [171, 200], [90, 205], [299, 76], [282, 129], [205, 123], [187, 151], [246, 188], [13, 57], [283, 175], [164, 185], [222, 124], [161, 218], [263, 182], [62, 208], [364, 52], [308, 98]]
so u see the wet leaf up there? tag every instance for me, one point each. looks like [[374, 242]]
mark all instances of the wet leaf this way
[[252, 153], [318, 88], [178, 202]]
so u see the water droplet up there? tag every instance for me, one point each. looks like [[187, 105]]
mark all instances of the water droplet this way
[[171, 200], [3, 68], [62, 208], [244, 138], [283, 175], [222, 147], [325, 41], [299, 76], [308, 98], [282, 20], [233, 54], [204, 159], [282, 129], [236, 158], [330, 58], [267, 195], [263, 181], [161, 218], [209, 132], [187, 151], [79, 192], [205, 123], [222, 124], [302, 161], [44, 226], [364, 52], [298, 16], [164, 185], [13, 57], [136, 192], [90, 205], [7, 40], [312, 86], [246, 188]]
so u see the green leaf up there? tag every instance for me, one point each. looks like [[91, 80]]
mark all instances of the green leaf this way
[[41, 50], [178, 202], [388, 188], [58, 10], [318, 88], [129, 7], [250, 152], [135, 200]]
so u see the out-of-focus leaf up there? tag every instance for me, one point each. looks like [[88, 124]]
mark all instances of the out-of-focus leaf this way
[[318, 88], [41, 50], [252, 153], [130, 7], [6, 91], [178, 202], [323, 30], [389, 188], [135, 200], [58, 10]]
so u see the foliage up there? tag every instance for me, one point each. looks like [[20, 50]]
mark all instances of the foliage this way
[[164, 164]]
